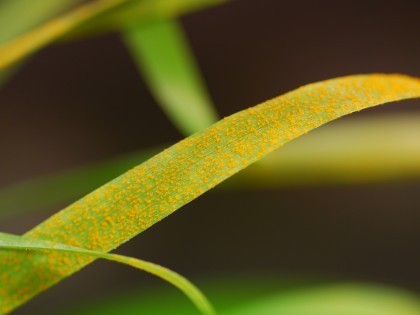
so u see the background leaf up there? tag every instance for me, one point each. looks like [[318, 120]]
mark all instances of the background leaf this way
[[139, 12], [161, 51], [132, 12], [262, 295], [67, 185], [22, 46], [20, 16], [349, 299], [133, 202]]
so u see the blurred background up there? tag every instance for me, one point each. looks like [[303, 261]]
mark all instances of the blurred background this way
[[82, 101]]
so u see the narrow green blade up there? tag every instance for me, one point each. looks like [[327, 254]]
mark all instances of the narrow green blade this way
[[161, 51], [138, 199], [16, 246]]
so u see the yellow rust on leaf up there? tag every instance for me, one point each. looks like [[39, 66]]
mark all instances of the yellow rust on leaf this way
[[133, 202]]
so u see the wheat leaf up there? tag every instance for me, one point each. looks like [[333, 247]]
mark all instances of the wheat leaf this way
[[167, 63], [135, 201], [19, 16], [20, 47], [25, 248]]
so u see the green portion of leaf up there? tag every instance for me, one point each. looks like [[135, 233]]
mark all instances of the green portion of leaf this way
[[64, 186], [349, 299], [93, 17], [17, 246], [367, 149], [135, 201], [162, 53], [19, 16]]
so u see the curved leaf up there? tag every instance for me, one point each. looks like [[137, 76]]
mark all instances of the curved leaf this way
[[24, 247], [133, 202]]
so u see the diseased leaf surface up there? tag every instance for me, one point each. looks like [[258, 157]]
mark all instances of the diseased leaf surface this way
[[133, 202]]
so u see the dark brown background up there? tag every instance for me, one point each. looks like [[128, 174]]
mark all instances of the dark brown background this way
[[79, 102]]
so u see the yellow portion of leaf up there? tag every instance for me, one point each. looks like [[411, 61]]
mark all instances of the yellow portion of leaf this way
[[94, 17], [11, 52], [133, 202], [19, 16]]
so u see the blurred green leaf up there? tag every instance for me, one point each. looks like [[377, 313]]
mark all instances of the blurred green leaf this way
[[93, 17], [67, 185], [133, 202], [17, 246], [225, 291], [352, 299], [18, 48], [367, 149], [261, 296], [20, 16], [163, 55]]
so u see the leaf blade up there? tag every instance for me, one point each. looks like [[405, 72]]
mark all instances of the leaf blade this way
[[29, 15], [22, 46], [91, 18], [161, 52], [145, 195]]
